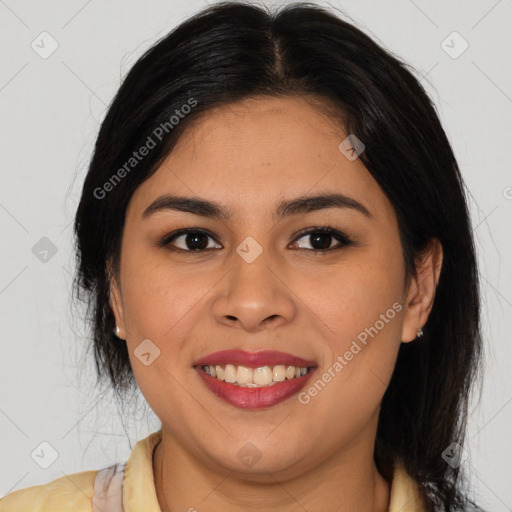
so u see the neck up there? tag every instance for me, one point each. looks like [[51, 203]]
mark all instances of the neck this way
[[346, 481]]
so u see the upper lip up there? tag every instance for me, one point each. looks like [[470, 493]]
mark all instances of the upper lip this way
[[253, 359]]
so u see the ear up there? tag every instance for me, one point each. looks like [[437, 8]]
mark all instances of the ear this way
[[116, 301], [421, 290]]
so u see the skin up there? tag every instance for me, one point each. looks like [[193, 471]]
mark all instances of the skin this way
[[249, 156]]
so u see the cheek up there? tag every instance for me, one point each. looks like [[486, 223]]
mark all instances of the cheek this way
[[359, 312], [156, 297], [160, 305], [352, 296]]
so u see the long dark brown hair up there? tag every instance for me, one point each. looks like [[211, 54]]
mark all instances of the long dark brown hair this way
[[232, 51]]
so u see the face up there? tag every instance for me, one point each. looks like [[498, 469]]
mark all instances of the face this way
[[321, 280]]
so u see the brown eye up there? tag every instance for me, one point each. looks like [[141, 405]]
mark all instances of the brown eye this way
[[321, 239], [190, 240]]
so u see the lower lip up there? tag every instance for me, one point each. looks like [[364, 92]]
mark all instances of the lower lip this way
[[254, 398]]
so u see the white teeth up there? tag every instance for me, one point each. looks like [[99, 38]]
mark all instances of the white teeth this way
[[279, 373], [254, 377], [243, 375], [262, 376], [230, 373]]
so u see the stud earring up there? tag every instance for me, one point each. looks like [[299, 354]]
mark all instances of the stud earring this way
[[419, 334], [117, 331]]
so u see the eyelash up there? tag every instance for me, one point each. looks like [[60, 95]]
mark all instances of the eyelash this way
[[324, 230]]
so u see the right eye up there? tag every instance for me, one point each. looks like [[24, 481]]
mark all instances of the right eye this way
[[189, 240]]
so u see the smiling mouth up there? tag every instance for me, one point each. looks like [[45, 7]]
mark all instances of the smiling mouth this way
[[260, 377], [254, 380]]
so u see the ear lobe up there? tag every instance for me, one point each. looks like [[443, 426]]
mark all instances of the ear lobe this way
[[116, 303], [422, 290]]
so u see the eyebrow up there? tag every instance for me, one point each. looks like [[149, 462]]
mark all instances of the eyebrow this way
[[211, 209]]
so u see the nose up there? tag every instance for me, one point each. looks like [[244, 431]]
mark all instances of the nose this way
[[255, 296]]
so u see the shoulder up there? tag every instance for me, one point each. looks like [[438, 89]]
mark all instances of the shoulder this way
[[68, 493], [110, 487]]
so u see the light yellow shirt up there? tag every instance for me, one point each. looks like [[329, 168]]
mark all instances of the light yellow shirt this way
[[76, 492]]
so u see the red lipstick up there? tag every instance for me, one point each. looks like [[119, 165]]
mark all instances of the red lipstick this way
[[254, 397]]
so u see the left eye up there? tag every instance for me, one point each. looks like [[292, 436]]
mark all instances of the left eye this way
[[321, 239]]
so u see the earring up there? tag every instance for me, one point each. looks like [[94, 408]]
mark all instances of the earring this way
[[419, 334], [117, 331]]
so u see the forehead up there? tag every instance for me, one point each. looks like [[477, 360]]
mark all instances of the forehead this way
[[258, 151]]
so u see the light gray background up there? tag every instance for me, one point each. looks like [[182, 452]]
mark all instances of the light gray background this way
[[50, 113]]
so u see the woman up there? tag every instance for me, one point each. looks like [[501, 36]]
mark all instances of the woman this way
[[275, 242]]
